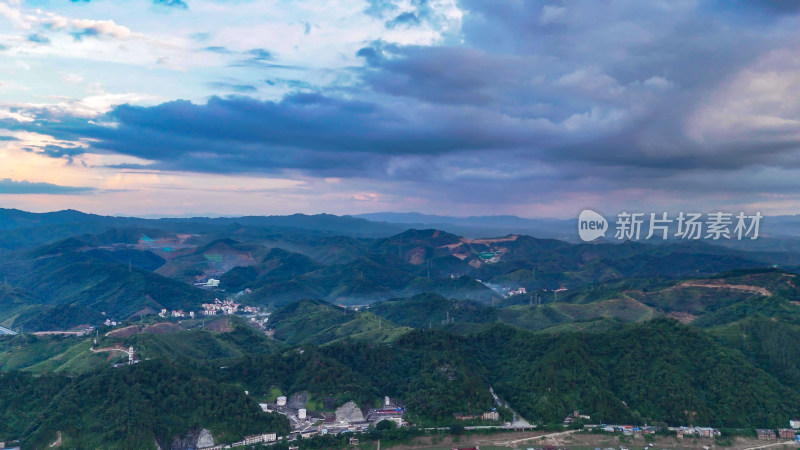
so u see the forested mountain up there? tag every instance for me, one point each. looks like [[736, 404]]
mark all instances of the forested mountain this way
[[673, 333], [657, 371]]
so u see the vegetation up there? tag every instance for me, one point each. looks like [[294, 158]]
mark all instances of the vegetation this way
[[427, 333], [134, 407]]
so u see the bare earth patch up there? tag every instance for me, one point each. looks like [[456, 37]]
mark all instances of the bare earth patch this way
[[719, 285], [511, 238], [161, 328], [156, 328], [682, 317], [220, 326]]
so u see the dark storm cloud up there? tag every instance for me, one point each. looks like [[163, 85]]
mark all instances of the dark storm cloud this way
[[11, 187], [454, 75], [307, 131]]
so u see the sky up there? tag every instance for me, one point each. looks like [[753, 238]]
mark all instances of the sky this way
[[450, 107]]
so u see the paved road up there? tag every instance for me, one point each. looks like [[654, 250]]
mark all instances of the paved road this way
[[487, 427], [544, 436], [785, 442]]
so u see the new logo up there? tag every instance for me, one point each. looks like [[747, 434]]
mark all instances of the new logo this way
[[591, 225]]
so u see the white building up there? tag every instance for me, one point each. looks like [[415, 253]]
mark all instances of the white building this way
[[212, 282]]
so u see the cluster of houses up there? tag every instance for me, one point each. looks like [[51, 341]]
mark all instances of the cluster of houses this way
[[684, 432], [179, 314], [248, 440], [488, 416], [348, 418], [574, 417], [212, 309], [227, 306], [704, 432], [783, 433], [627, 430]]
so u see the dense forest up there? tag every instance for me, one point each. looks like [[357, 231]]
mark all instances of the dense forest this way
[[133, 407], [656, 372]]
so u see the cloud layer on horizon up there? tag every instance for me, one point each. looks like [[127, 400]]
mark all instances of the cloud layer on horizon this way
[[13, 187]]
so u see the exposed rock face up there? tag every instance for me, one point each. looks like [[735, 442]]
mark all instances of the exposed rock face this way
[[192, 440], [298, 400], [349, 412], [205, 439]]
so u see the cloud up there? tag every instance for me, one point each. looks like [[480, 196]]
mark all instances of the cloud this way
[[57, 151], [552, 14], [306, 131], [404, 19], [172, 3], [377, 8], [218, 49], [496, 102], [260, 58], [235, 87], [12, 187], [293, 85], [453, 75], [38, 38], [97, 28]]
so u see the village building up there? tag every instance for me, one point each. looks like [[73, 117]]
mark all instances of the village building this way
[[258, 438], [490, 415], [766, 435]]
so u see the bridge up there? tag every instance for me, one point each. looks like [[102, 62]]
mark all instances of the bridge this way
[[4, 330]]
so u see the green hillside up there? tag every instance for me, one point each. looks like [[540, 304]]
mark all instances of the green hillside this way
[[655, 371], [661, 370], [424, 310], [163, 340], [119, 408], [75, 288], [319, 322]]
